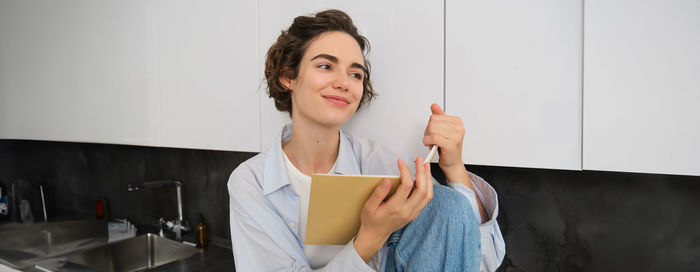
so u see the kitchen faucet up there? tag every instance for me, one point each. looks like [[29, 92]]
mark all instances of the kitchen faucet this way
[[175, 225]]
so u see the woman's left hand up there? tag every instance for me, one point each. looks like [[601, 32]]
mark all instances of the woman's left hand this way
[[447, 132]]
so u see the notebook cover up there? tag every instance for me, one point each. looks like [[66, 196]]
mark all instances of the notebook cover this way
[[335, 206]]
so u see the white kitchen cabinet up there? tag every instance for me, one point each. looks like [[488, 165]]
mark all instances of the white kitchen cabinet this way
[[185, 74], [642, 86], [204, 79], [406, 58], [158, 73], [74, 71], [513, 74]]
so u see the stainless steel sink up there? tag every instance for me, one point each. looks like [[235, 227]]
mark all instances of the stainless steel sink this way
[[22, 245], [133, 254]]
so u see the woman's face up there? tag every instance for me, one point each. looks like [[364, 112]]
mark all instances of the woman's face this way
[[328, 87]]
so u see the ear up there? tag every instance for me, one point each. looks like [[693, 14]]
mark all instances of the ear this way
[[286, 82]]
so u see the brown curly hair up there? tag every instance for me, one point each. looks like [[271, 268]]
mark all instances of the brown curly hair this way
[[284, 56]]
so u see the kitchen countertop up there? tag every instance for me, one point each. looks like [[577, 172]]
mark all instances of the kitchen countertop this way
[[214, 258], [217, 257]]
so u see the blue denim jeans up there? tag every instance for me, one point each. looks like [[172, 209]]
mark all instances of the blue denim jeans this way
[[444, 237]]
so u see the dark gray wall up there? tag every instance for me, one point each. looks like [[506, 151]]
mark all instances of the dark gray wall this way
[[74, 175], [596, 221], [552, 220]]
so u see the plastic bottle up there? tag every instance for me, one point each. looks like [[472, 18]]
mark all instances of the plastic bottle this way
[[201, 232], [100, 208]]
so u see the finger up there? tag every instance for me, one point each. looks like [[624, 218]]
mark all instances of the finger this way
[[444, 144], [425, 201], [444, 124], [430, 175], [430, 183], [427, 170], [444, 130], [434, 117], [405, 187], [420, 172], [429, 190], [418, 194], [446, 118], [435, 108], [432, 122], [436, 126], [438, 140], [379, 194]]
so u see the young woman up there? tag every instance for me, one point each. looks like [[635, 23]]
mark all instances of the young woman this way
[[317, 72]]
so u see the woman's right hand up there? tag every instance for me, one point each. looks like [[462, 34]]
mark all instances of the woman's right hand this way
[[381, 218]]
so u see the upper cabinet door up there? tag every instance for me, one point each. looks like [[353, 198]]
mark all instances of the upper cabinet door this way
[[642, 86], [74, 71], [159, 73], [406, 59], [204, 79], [513, 74]]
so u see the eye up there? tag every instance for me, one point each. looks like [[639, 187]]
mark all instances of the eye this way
[[357, 75], [324, 66]]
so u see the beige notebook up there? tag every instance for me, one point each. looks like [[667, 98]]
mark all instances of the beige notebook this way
[[336, 204]]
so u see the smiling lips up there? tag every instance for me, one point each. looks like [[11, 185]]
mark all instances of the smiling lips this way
[[337, 100]]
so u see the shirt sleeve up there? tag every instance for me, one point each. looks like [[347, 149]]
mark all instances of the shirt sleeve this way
[[492, 244], [255, 250]]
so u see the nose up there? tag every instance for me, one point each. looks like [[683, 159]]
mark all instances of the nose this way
[[340, 81]]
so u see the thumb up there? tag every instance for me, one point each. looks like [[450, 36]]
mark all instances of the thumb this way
[[435, 108], [378, 195]]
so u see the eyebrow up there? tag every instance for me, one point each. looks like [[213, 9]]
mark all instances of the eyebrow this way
[[335, 60]]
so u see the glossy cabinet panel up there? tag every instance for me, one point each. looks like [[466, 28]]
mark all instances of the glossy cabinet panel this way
[[513, 74], [204, 92], [74, 71], [641, 87]]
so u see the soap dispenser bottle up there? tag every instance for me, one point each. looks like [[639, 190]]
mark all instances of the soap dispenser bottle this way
[[201, 233]]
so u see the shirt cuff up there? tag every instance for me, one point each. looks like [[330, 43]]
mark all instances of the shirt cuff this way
[[350, 259], [486, 193]]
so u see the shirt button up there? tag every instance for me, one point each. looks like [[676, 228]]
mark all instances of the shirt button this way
[[291, 224]]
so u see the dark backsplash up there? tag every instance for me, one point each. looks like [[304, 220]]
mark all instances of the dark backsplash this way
[[552, 220], [556, 220], [74, 175]]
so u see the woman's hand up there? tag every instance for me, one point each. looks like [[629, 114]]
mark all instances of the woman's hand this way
[[381, 218], [447, 132]]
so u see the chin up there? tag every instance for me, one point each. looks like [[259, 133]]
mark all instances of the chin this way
[[336, 120]]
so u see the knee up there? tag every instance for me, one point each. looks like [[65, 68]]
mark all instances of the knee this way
[[449, 205]]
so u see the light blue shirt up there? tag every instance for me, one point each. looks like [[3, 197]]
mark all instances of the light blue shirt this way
[[264, 210]]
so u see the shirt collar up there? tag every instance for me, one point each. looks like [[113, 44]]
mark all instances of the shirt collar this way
[[275, 175], [348, 163]]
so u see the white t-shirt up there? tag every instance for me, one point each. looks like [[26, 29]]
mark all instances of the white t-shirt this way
[[318, 255]]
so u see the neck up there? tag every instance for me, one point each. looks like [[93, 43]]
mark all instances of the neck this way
[[312, 148]]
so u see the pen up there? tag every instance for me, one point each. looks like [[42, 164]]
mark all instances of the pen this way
[[431, 154]]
